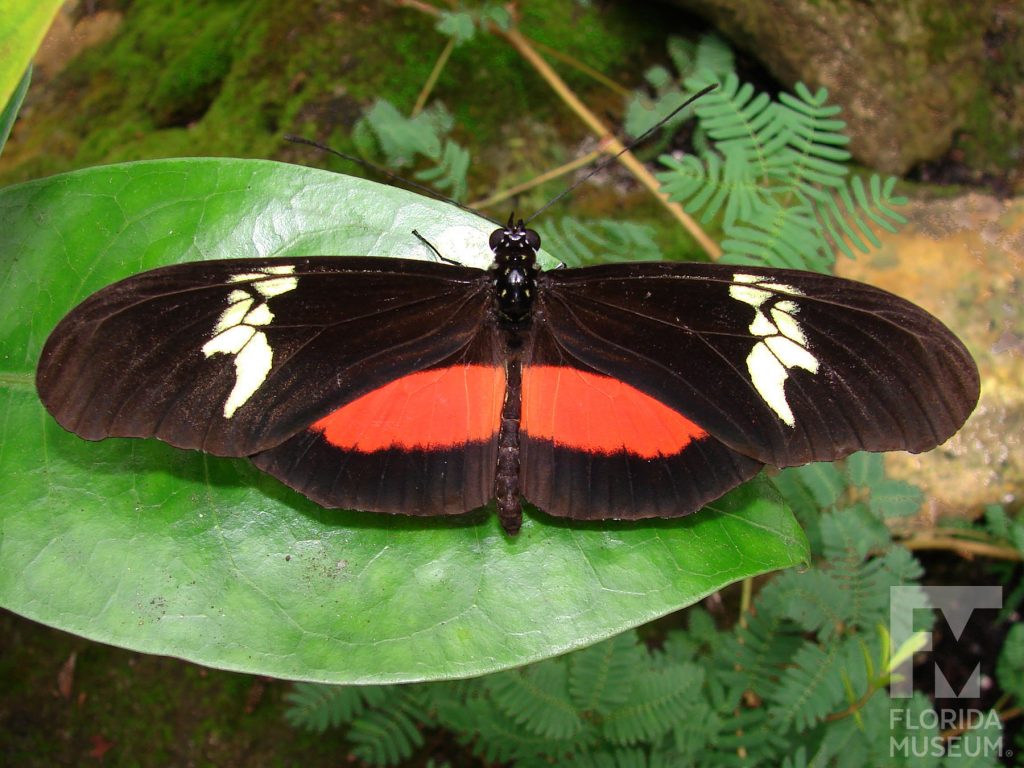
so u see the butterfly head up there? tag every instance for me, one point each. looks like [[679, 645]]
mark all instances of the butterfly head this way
[[515, 241]]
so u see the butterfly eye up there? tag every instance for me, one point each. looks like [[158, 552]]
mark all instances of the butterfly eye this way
[[496, 238], [532, 239]]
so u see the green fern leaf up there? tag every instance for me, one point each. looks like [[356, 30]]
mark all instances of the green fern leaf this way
[[797, 760], [895, 498], [713, 57], [865, 469], [752, 657], [450, 173], [815, 601], [601, 676], [852, 533], [401, 138], [900, 732], [696, 641], [456, 24], [843, 218], [577, 243], [742, 122], [693, 183], [537, 698], [657, 702], [777, 236], [385, 737], [315, 707], [825, 481], [747, 738], [815, 151], [868, 584], [691, 737], [496, 737], [811, 688], [1010, 667]]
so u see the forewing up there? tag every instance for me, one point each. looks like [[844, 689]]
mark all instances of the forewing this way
[[785, 367], [234, 357]]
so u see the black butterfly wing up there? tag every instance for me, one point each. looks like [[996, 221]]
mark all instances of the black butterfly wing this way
[[234, 357], [422, 444], [594, 447], [781, 366]]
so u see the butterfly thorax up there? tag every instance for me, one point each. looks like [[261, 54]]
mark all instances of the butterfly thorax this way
[[514, 272]]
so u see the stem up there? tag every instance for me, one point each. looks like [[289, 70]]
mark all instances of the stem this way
[[435, 73], [610, 143], [746, 597], [537, 180], [604, 80], [966, 549], [854, 707]]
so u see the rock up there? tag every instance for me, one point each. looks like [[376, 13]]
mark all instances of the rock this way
[[908, 74], [963, 259]]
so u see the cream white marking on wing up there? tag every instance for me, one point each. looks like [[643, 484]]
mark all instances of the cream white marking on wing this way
[[237, 330], [783, 344]]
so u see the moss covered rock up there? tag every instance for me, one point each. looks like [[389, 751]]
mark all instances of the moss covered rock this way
[[909, 74]]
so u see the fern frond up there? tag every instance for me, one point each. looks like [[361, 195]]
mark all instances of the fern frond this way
[[742, 121], [450, 172], [815, 151], [459, 25], [752, 657], [842, 215], [841, 744], [1010, 667], [576, 243], [692, 736], [385, 736], [824, 481], [867, 584], [747, 738], [895, 498], [537, 698], [852, 533], [496, 737], [797, 760], [777, 236], [865, 469], [811, 688], [601, 676], [316, 707], [695, 642], [656, 703], [713, 57], [815, 601], [401, 138]]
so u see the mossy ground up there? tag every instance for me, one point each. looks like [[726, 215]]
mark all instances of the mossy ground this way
[[128, 708]]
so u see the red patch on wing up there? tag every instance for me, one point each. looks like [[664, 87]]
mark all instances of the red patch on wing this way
[[439, 408], [599, 414]]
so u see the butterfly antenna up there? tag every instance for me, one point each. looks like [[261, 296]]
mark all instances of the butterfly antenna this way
[[639, 140], [388, 174]]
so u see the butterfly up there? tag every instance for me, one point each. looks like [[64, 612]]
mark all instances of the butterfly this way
[[619, 391]]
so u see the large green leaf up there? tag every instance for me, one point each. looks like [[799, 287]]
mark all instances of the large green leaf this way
[[138, 544], [23, 23], [10, 112]]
